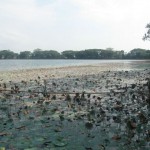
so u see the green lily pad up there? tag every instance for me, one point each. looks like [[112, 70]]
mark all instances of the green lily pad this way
[[60, 142], [40, 139], [34, 148]]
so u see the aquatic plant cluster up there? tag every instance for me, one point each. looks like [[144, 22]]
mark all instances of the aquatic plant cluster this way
[[106, 111]]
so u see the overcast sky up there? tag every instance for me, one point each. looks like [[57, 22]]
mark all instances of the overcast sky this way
[[73, 24]]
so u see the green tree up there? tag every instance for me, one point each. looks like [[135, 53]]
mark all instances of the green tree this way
[[7, 54], [25, 55], [47, 54], [37, 54], [51, 54], [118, 54], [138, 53], [69, 54], [92, 53], [147, 34], [107, 54]]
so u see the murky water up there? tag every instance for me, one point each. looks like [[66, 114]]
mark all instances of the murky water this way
[[30, 64]]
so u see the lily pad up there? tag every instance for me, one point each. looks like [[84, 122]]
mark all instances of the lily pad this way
[[60, 142], [89, 125], [34, 148]]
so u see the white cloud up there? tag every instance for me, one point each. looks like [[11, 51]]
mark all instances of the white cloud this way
[[24, 10], [73, 24], [21, 21], [113, 10], [123, 20]]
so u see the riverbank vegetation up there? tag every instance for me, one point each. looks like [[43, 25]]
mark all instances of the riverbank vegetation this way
[[108, 53]]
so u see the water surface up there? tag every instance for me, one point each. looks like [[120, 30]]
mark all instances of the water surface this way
[[6, 65]]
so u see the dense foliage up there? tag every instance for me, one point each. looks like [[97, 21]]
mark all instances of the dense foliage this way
[[82, 54]]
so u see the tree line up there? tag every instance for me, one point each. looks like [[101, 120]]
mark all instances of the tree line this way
[[108, 53]]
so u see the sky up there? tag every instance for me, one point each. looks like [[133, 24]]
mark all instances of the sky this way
[[73, 24]]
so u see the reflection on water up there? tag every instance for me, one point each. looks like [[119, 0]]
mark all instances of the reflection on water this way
[[30, 64]]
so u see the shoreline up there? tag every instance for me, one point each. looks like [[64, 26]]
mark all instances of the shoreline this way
[[61, 72]]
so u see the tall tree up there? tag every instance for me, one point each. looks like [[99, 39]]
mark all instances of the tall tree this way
[[37, 54], [147, 34], [7, 54], [25, 55], [69, 54]]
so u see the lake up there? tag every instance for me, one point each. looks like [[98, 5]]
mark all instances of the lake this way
[[6, 65]]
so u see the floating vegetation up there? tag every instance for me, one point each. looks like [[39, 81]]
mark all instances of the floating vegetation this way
[[60, 142], [89, 125], [107, 111]]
